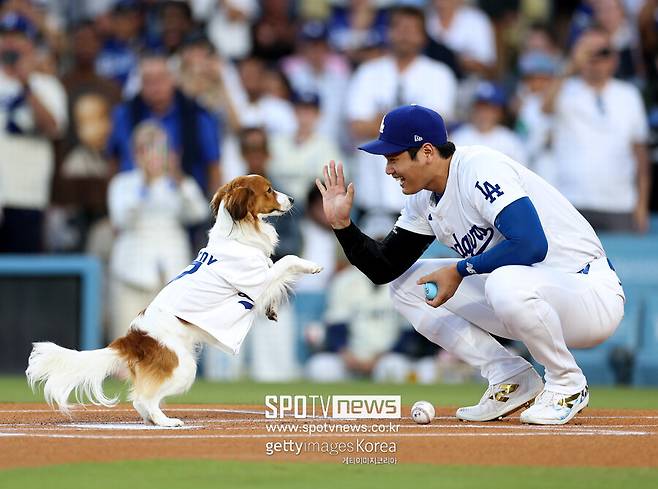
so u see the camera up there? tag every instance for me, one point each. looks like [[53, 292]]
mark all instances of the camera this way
[[9, 57]]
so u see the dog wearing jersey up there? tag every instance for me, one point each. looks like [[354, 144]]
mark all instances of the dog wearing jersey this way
[[213, 301]]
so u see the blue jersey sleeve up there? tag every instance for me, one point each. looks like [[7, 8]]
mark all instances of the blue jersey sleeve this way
[[525, 241]]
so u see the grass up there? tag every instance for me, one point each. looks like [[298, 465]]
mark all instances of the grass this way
[[15, 389], [202, 474]]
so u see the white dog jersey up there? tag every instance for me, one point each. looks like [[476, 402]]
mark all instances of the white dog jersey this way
[[218, 290], [481, 183]]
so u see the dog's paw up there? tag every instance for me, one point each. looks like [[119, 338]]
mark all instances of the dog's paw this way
[[270, 313], [311, 267], [168, 422]]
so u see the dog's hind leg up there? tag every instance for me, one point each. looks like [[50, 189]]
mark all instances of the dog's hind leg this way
[[156, 371], [150, 397], [156, 416], [141, 408]]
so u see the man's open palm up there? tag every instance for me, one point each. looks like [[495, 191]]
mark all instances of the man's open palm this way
[[336, 199]]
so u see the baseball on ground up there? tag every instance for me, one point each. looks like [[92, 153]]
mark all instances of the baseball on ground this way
[[422, 412]]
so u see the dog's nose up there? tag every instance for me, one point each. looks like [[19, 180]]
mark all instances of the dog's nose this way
[[292, 201]]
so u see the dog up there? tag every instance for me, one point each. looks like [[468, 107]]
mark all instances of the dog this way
[[213, 301]]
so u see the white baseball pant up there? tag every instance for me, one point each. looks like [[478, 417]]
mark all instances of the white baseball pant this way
[[547, 309]]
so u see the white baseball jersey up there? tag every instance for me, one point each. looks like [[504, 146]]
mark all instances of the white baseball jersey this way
[[499, 138], [218, 290], [593, 137], [481, 183]]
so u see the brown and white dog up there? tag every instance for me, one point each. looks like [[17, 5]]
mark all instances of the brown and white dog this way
[[159, 350]]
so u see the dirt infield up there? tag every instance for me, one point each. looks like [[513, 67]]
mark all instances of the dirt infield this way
[[34, 435]]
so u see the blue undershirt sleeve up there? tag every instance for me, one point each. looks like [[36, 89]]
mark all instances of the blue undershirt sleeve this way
[[525, 241]]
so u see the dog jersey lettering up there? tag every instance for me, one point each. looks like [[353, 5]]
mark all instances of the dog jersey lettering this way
[[217, 292], [204, 257]]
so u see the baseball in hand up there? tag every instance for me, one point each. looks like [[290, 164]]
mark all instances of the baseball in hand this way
[[431, 290], [422, 412]]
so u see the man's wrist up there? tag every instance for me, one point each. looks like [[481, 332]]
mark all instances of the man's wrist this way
[[461, 269], [341, 224]]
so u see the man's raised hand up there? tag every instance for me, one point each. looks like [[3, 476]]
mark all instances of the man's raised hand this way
[[336, 199]]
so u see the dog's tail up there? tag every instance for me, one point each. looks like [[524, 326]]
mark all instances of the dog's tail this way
[[63, 371]]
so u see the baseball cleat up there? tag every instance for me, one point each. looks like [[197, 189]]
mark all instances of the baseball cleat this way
[[502, 399], [553, 408]]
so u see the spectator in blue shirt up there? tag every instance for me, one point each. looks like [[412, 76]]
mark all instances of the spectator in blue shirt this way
[[192, 130], [118, 56]]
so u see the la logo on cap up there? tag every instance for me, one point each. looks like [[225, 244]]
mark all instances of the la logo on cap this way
[[417, 138], [381, 126]]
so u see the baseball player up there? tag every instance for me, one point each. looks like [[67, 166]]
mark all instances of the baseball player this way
[[531, 269]]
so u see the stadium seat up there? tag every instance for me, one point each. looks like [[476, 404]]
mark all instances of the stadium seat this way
[[309, 308], [653, 223], [646, 361]]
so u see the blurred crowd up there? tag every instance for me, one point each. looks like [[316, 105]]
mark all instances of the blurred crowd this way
[[119, 118]]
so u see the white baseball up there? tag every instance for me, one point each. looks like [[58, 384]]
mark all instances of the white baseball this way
[[422, 412]]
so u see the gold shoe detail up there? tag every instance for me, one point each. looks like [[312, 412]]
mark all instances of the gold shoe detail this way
[[503, 392], [568, 402]]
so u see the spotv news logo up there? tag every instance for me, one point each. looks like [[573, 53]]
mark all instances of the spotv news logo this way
[[337, 407]]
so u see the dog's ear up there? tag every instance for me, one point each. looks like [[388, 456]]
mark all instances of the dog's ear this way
[[237, 202], [217, 199], [214, 204]]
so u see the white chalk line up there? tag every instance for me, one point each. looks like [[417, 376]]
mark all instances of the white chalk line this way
[[320, 435], [401, 423], [268, 420], [402, 428], [258, 421], [465, 426], [118, 426], [127, 426], [127, 410]]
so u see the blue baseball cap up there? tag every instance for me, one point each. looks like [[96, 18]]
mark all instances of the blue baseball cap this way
[[490, 93], [306, 98], [409, 126], [538, 63], [13, 22], [314, 30]]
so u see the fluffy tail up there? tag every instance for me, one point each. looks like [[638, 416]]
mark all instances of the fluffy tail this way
[[63, 371]]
